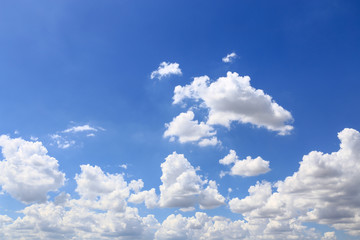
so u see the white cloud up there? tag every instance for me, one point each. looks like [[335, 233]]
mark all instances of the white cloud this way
[[247, 167], [188, 130], [27, 172], [104, 191], [229, 58], [209, 142], [83, 128], [62, 142], [50, 221], [329, 236], [166, 69], [259, 194], [101, 212], [183, 188], [324, 190], [232, 98], [202, 226], [148, 197]]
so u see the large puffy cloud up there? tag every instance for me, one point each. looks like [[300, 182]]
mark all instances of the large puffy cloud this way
[[325, 190], [188, 130], [27, 172], [247, 167], [232, 98], [182, 187], [51, 221], [103, 190], [166, 69], [101, 212]]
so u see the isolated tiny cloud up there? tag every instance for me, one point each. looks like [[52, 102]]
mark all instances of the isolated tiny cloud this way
[[229, 58], [232, 98], [166, 69], [27, 172], [247, 167], [80, 128]]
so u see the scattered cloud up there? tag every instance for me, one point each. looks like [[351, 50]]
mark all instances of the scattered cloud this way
[[83, 128], [229, 58], [232, 98], [65, 138], [247, 167], [166, 69], [182, 187], [186, 129], [324, 190], [27, 172], [62, 142], [104, 191], [32, 138]]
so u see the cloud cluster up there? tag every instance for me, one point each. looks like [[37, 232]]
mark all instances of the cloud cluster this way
[[201, 226], [186, 129], [64, 139], [232, 98], [229, 58], [324, 190], [247, 167], [181, 188], [166, 69], [27, 172]]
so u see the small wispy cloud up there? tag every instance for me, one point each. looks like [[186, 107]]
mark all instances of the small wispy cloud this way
[[62, 142], [82, 128], [166, 69], [229, 58]]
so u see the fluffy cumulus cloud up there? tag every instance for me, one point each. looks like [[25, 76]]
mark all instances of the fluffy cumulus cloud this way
[[27, 172], [229, 58], [247, 167], [51, 221], [182, 187], [186, 129], [166, 69], [100, 212], [201, 227], [232, 98], [104, 191], [324, 190]]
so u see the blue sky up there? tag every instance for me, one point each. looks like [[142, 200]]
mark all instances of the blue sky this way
[[87, 109]]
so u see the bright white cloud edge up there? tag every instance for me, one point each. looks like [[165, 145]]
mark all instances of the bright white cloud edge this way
[[166, 69], [229, 58], [232, 99]]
